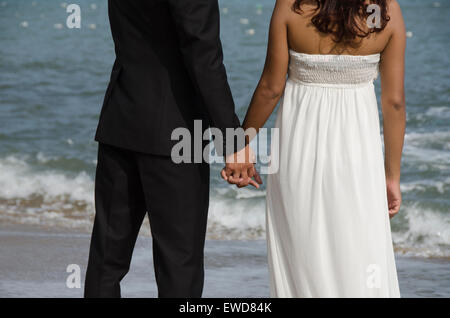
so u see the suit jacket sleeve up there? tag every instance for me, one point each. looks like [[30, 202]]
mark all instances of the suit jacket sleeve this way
[[197, 23]]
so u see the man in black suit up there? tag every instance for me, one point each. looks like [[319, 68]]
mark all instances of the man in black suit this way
[[168, 72]]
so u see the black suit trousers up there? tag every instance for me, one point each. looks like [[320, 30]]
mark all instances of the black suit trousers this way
[[128, 185]]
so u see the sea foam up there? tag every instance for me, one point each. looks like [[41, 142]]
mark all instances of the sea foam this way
[[56, 199]]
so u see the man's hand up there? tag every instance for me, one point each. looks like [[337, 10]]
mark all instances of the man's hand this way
[[240, 169]]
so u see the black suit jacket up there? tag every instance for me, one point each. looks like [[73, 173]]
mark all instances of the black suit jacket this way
[[168, 72]]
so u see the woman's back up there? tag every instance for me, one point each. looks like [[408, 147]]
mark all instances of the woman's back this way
[[304, 37]]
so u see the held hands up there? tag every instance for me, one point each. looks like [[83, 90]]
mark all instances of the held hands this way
[[240, 169], [394, 196]]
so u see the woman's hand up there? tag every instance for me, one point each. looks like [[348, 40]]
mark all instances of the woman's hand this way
[[394, 196], [240, 169]]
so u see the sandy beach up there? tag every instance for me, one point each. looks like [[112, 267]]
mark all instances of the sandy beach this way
[[33, 263]]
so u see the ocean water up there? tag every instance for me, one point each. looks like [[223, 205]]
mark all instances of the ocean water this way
[[52, 83]]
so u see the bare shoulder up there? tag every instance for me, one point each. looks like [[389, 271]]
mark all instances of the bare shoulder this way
[[395, 14], [283, 9], [286, 4], [393, 6], [286, 9]]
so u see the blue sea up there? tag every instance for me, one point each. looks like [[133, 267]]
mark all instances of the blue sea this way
[[52, 83]]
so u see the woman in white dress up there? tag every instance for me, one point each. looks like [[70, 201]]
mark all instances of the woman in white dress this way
[[329, 204]]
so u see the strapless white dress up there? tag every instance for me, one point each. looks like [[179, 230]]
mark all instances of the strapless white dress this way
[[328, 229]]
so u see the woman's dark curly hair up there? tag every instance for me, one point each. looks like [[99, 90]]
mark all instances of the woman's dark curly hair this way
[[342, 18]]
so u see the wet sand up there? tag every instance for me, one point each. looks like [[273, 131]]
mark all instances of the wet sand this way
[[33, 263]]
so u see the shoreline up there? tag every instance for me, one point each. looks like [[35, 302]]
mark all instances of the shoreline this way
[[33, 263]]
